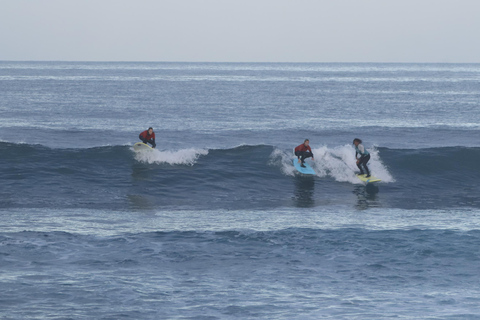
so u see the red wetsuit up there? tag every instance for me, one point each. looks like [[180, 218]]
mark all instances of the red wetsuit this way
[[303, 148], [145, 137], [303, 152]]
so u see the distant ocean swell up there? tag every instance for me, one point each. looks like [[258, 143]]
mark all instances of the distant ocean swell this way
[[258, 173], [173, 246]]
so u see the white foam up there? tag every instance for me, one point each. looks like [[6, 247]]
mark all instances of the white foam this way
[[183, 156], [338, 163], [283, 160], [334, 162]]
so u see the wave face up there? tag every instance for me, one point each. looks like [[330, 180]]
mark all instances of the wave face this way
[[243, 177]]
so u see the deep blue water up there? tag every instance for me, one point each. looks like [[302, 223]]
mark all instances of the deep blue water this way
[[215, 223]]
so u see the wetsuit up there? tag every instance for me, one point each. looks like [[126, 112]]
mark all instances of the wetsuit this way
[[364, 157], [147, 138], [303, 152]]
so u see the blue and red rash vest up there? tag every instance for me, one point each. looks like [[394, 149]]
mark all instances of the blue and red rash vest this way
[[304, 148], [146, 136]]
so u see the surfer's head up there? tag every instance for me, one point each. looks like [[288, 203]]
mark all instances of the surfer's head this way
[[306, 142], [150, 130], [357, 141]]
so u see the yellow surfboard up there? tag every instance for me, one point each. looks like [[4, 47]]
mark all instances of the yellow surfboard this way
[[140, 146], [369, 179]]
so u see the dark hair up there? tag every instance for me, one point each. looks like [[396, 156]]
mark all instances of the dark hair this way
[[306, 140], [150, 128], [356, 139]]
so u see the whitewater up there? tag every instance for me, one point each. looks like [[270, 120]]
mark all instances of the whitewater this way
[[215, 223]]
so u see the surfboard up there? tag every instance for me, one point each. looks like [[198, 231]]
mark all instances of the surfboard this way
[[140, 146], [306, 170], [367, 180]]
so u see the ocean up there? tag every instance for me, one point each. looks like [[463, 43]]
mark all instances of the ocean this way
[[215, 223]]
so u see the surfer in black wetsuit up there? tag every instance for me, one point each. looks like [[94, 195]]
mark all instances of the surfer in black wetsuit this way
[[148, 136], [364, 156]]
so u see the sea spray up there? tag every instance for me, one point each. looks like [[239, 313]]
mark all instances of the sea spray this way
[[337, 162], [340, 163], [184, 156]]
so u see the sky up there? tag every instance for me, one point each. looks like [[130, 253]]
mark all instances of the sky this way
[[241, 31]]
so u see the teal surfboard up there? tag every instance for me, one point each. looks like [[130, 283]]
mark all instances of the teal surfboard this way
[[306, 170]]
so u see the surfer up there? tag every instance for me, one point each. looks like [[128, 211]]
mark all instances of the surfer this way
[[303, 152], [364, 156], [148, 136]]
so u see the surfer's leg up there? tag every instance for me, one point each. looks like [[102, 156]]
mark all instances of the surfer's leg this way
[[305, 155], [364, 162], [359, 165], [366, 169], [298, 154]]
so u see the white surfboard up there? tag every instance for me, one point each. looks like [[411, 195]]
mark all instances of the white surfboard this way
[[140, 146]]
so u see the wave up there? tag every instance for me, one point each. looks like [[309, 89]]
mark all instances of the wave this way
[[335, 162], [183, 156], [186, 156], [242, 177]]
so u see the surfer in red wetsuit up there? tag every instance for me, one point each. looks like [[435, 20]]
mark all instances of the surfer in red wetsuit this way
[[148, 136], [303, 152]]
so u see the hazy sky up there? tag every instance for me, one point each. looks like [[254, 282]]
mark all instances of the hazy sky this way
[[241, 31]]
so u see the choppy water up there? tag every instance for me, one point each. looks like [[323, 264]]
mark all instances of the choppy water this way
[[215, 223]]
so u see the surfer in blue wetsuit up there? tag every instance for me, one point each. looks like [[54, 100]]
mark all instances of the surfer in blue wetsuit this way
[[364, 156], [303, 152], [148, 136]]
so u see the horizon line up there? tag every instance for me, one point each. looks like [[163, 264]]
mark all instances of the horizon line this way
[[240, 62]]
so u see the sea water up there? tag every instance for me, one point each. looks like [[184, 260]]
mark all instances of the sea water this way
[[216, 223]]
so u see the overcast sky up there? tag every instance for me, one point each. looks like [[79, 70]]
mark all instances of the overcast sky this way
[[241, 31]]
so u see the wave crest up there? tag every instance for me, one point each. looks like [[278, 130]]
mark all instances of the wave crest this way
[[183, 156], [339, 163]]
